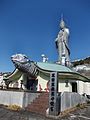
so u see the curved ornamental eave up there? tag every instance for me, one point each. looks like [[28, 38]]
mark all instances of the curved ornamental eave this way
[[15, 75], [68, 75], [73, 76], [64, 72]]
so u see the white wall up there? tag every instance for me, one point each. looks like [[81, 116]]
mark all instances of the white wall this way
[[87, 88], [80, 85], [62, 87], [2, 82], [42, 81]]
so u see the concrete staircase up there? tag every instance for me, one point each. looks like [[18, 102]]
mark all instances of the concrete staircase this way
[[40, 104]]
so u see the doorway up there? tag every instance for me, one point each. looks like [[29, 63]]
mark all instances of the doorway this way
[[74, 86], [32, 84]]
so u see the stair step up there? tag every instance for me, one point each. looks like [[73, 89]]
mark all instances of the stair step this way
[[39, 107], [40, 104]]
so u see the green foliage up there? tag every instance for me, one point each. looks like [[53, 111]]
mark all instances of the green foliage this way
[[88, 101], [14, 107], [78, 105]]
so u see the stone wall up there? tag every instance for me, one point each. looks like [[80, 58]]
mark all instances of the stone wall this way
[[19, 98], [66, 99], [70, 100]]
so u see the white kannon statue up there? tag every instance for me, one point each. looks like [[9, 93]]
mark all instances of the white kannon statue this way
[[62, 45]]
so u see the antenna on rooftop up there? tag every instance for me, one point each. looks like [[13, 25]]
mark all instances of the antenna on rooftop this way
[[44, 58]]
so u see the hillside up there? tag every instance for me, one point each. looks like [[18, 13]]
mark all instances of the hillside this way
[[82, 66], [81, 62]]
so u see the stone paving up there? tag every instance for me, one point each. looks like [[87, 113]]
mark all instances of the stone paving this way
[[5, 114], [80, 114]]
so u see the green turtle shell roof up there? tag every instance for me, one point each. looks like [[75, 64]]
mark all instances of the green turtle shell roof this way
[[64, 72], [53, 67]]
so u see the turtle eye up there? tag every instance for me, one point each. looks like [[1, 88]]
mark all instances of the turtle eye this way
[[11, 57], [25, 58]]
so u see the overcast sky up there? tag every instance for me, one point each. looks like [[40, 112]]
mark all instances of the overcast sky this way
[[31, 26]]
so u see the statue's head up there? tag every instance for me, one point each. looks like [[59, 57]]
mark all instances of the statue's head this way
[[62, 24], [21, 58]]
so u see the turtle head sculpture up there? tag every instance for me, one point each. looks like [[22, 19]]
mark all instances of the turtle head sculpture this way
[[21, 58], [22, 63]]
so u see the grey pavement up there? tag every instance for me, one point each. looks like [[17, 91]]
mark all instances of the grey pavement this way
[[6, 114]]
